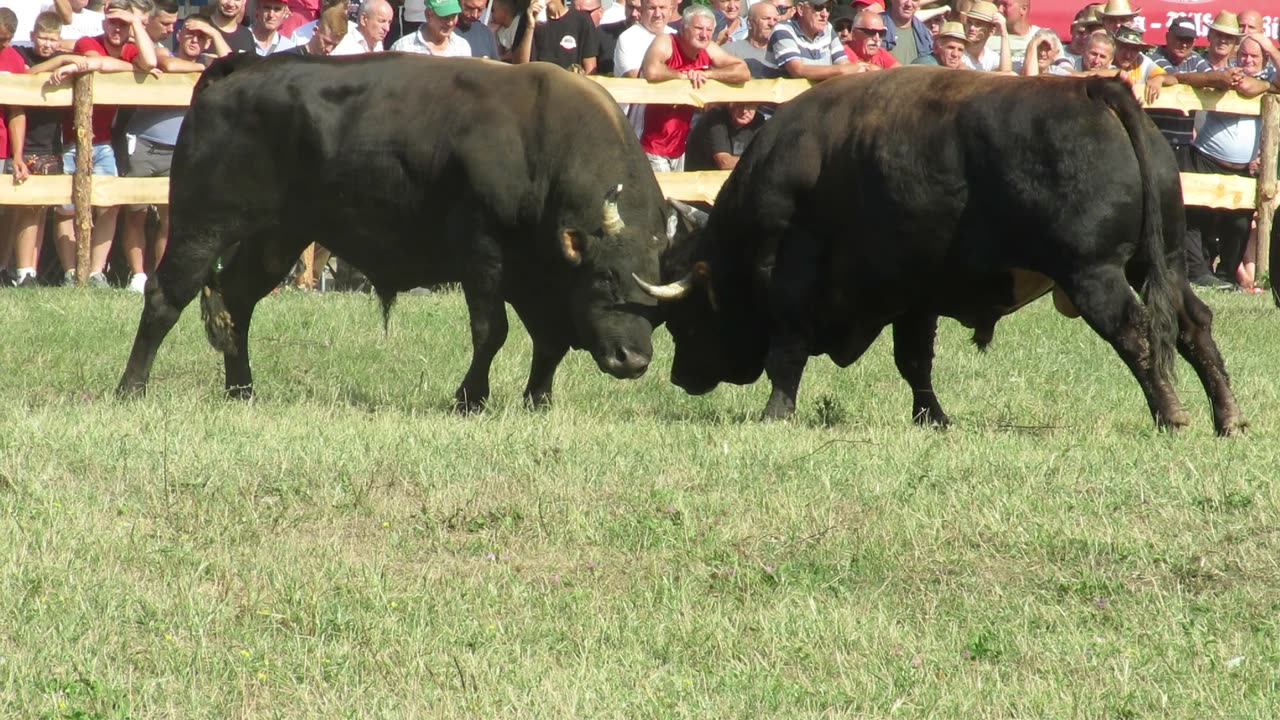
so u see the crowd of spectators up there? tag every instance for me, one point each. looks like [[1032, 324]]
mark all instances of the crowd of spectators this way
[[726, 40]]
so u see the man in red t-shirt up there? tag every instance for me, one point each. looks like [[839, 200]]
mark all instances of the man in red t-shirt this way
[[689, 54], [10, 62], [112, 51], [867, 43]]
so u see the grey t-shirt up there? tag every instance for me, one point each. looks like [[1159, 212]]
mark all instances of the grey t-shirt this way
[[752, 55]]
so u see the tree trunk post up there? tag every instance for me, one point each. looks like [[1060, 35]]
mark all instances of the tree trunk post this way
[[82, 180]]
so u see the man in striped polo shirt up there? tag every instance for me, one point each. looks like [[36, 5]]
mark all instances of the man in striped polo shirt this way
[[806, 46]]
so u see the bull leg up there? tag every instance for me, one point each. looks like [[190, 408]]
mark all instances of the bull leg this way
[[542, 371], [170, 289], [488, 333], [1108, 304], [249, 276], [913, 344], [1196, 345], [784, 365]]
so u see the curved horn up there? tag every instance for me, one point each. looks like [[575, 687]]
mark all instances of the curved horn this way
[[670, 291], [693, 217], [612, 222]]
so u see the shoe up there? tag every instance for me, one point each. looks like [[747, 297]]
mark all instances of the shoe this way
[[98, 280], [7, 278], [29, 281], [1212, 282], [69, 278], [137, 282]]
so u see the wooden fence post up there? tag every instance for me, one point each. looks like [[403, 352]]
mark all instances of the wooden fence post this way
[[81, 181]]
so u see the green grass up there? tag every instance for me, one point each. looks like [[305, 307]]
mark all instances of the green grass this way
[[345, 547]]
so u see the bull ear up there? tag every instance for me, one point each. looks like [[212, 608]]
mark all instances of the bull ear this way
[[573, 244]]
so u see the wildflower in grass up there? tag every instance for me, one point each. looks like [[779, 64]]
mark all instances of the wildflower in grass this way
[[1100, 603], [386, 524], [917, 661], [245, 653], [491, 557], [393, 605]]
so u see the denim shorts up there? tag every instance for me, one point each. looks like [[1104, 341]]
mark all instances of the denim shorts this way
[[104, 163]]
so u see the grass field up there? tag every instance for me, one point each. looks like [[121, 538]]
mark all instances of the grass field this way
[[345, 547]]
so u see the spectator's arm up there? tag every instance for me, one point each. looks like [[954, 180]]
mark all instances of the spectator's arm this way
[[63, 8], [219, 46], [1006, 55], [721, 145], [589, 65], [1268, 47], [725, 67], [17, 141], [654, 68], [1031, 61], [146, 58], [522, 51], [53, 63], [1250, 87], [798, 69], [1218, 79], [171, 64]]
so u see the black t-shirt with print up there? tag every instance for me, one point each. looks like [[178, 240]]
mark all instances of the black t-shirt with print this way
[[564, 41], [44, 124]]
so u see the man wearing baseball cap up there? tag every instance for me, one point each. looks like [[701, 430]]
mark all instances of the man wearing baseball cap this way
[[948, 48], [436, 36], [1177, 58]]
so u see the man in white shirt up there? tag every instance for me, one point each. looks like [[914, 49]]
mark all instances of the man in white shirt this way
[[372, 25], [628, 56], [267, 19], [77, 20], [436, 36]]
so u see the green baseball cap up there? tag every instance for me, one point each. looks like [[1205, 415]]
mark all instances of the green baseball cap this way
[[444, 8]]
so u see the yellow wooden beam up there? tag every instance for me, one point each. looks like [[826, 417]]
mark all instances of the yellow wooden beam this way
[[170, 89]]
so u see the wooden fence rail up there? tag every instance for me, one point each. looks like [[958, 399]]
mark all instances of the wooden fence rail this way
[[1217, 191]]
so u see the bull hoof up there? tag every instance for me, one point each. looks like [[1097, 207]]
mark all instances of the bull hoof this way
[[1234, 426], [935, 419], [537, 401], [129, 390], [465, 403], [240, 392]]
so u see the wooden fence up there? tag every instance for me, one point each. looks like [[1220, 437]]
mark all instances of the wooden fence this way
[[84, 190]]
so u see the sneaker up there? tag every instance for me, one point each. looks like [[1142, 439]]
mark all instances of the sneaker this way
[[29, 281], [99, 281], [137, 282], [8, 278], [69, 278]]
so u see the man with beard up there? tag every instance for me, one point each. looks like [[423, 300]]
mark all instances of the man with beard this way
[[867, 36], [567, 38], [477, 34]]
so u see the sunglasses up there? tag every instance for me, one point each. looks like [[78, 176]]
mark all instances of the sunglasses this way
[[819, 7], [783, 9], [878, 32]]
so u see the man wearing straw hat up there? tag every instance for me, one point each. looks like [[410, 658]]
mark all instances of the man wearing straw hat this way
[[948, 48], [983, 21], [1136, 68], [1117, 14], [1085, 24]]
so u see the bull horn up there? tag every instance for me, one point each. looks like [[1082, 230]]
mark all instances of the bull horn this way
[[670, 291], [612, 224], [693, 217]]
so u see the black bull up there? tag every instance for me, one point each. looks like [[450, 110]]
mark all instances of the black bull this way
[[894, 198], [416, 171]]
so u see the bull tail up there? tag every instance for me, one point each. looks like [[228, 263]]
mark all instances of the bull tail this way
[[1160, 290], [217, 320]]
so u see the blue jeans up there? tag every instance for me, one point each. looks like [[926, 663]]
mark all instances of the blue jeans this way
[[104, 163]]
